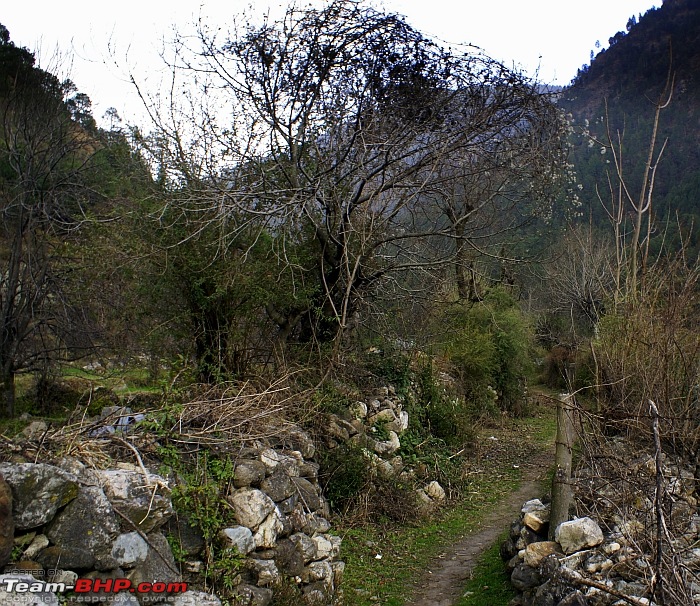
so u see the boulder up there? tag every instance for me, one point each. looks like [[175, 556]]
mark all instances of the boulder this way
[[301, 441], [269, 530], [35, 431], [535, 515], [159, 564], [327, 546], [309, 470], [69, 556], [289, 461], [305, 545], [254, 596], [251, 507], [389, 446], [309, 495], [238, 537], [38, 492], [536, 552], [248, 473], [38, 543], [129, 550], [338, 569], [525, 577], [383, 416], [358, 410], [278, 486], [578, 534], [288, 558], [86, 526], [144, 501], [190, 538], [316, 594], [264, 571], [318, 572], [435, 491], [401, 423]]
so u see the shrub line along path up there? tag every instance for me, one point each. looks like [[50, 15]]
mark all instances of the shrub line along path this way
[[444, 582]]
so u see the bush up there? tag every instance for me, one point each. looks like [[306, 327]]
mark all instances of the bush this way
[[438, 413], [489, 345], [650, 350], [344, 474]]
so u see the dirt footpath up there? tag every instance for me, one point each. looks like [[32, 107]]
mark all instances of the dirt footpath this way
[[445, 580]]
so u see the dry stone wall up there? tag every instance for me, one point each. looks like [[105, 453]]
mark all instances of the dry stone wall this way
[[64, 521]]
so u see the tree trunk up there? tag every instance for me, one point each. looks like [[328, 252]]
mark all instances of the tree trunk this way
[[562, 495], [8, 392]]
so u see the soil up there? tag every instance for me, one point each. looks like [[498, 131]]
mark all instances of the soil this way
[[445, 579]]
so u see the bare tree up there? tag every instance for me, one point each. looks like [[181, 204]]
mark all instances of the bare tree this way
[[348, 134], [43, 152]]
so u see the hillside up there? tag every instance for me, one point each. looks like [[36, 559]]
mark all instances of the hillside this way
[[630, 77]]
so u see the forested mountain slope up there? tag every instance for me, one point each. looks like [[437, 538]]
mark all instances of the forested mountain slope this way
[[624, 82]]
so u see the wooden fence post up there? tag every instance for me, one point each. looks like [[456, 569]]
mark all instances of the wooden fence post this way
[[562, 494]]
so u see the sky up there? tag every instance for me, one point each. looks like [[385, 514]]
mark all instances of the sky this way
[[101, 43]]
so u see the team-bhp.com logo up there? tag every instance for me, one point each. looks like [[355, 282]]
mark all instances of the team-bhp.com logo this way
[[91, 586]]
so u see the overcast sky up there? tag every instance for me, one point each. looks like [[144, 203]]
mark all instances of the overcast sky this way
[[554, 36]]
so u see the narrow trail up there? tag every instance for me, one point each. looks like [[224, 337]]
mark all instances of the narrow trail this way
[[445, 579]]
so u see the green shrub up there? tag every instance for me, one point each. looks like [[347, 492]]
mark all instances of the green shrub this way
[[489, 344], [344, 474], [440, 414]]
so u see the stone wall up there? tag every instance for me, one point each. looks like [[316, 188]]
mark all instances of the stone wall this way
[[69, 521]]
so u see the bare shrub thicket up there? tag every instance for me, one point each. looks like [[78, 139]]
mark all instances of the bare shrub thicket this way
[[651, 351], [646, 500]]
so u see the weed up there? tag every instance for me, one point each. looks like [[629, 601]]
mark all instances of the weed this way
[[344, 474]]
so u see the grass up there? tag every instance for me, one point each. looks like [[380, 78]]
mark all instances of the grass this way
[[490, 583], [406, 553]]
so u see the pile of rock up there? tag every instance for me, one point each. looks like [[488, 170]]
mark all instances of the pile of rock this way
[[586, 566], [283, 526], [376, 425], [70, 521]]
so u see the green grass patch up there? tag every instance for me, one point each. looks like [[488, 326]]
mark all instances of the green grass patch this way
[[490, 583], [407, 552], [491, 473]]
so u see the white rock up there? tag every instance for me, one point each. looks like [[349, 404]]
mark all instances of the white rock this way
[[435, 491], [238, 537], [290, 461], [269, 530], [389, 446], [251, 507], [327, 546], [265, 570], [145, 501], [402, 421], [305, 545], [129, 549], [578, 534], [318, 571], [358, 410], [39, 542]]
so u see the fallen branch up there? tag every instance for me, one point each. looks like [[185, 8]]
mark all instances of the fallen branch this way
[[574, 577]]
